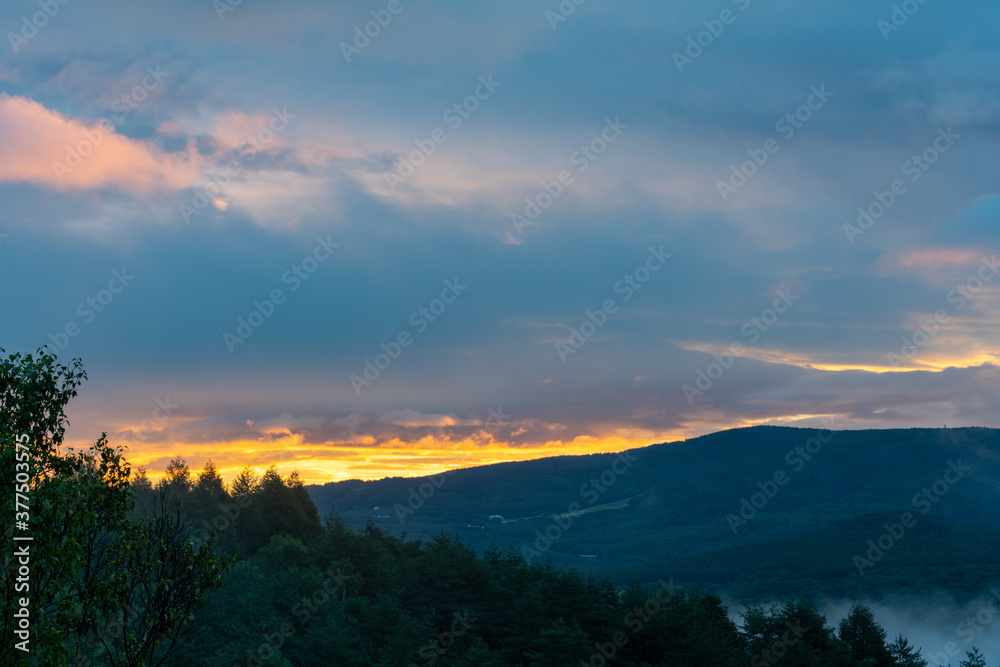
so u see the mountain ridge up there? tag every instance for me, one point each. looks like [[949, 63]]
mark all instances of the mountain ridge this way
[[668, 501]]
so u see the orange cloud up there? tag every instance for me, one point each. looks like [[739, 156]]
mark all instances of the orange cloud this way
[[46, 148], [938, 257], [228, 130], [413, 419], [935, 266]]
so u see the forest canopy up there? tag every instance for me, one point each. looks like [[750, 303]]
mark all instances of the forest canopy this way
[[194, 571]]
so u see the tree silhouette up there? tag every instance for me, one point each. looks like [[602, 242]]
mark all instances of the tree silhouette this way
[[865, 637], [99, 582], [973, 658], [904, 654]]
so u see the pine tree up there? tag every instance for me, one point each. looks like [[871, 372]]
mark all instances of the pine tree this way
[[249, 530], [799, 630], [145, 496], [178, 476], [865, 637], [247, 483], [973, 658], [904, 654], [210, 482], [141, 480]]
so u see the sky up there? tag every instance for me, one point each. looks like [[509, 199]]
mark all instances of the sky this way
[[393, 238]]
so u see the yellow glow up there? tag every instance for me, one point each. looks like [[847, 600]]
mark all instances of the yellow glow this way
[[363, 456], [927, 359], [318, 463]]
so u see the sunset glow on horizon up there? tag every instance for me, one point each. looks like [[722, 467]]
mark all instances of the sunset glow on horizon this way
[[271, 245]]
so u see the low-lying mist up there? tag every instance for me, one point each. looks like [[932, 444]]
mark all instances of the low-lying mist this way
[[942, 628]]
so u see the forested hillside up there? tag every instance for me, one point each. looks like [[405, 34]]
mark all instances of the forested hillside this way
[[194, 571], [705, 508]]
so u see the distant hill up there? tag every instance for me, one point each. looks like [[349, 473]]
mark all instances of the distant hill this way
[[661, 510], [936, 553]]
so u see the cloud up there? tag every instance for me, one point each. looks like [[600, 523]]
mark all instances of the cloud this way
[[938, 257], [413, 419], [286, 393], [938, 266], [45, 148], [230, 129]]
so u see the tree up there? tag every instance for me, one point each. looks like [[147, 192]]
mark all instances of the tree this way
[[207, 502], [973, 658], [72, 573], [159, 580], [141, 481], [145, 494], [249, 531], [865, 637], [70, 506], [210, 481], [286, 507], [798, 631], [559, 644], [311, 523], [904, 654], [247, 483], [178, 476]]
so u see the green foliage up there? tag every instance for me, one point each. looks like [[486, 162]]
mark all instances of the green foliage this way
[[365, 597], [796, 634], [973, 658], [101, 583], [178, 476], [196, 573], [667, 512], [865, 638], [904, 654], [937, 553], [209, 485]]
